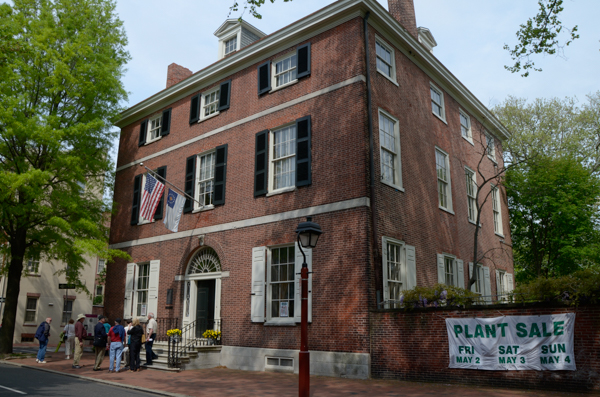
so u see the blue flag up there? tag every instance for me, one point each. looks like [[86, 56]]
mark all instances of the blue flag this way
[[175, 204]]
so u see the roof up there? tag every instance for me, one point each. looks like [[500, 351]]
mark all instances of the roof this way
[[233, 23]]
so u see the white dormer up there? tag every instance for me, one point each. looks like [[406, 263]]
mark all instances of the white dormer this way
[[234, 35], [426, 38]]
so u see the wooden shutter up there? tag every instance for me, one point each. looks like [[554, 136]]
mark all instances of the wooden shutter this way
[[303, 155], [153, 287], [162, 173], [257, 296], [498, 297], [135, 207], [261, 163], [143, 132], [165, 127], [384, 263], [411, 267], [486, 284], [509, 283], [460, 265], [303, 59], [220, 175], [224, 95], [128, 299], [195, 109], [298, 283], [190, 181], [264, 78], [441, 270]]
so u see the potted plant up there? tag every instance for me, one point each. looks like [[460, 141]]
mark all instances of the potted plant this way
[[174, 334], [212, 336]]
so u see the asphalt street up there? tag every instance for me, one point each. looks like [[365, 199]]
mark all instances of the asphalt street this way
[[17, 381]]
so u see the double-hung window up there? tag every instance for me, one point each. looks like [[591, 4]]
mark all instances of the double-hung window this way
[[496, 211], [389, 138], [33, 267], [210, 103], [206, 180], [141, 289], [471, 194], [450, 270], [31, 310], [504, 285], [231, 45], [284, 70], [482, 282], [437, 102], [143, 277], [155, 127], [443, 179], [101, 265], [67, 311], [490, 147], [283, 161], [280, 281], [399, 271], [465, 126], [385, 60]]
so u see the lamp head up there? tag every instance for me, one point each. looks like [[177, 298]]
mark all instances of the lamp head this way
[[309, 233]]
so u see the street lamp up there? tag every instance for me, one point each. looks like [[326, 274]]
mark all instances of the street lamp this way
[[308, 234]]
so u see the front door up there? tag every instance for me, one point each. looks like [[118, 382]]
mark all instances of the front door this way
[[205, 306]]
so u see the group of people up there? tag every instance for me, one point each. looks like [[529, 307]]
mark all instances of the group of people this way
[[120, 341]]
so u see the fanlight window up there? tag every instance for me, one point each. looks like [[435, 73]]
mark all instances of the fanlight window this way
[[205, 261]]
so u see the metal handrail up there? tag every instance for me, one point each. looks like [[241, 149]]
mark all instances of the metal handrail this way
[[189, 340]]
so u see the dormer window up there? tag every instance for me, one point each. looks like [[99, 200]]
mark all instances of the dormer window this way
[[231, 45]]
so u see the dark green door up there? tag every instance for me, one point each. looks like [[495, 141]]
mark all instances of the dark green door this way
[[205, 306]]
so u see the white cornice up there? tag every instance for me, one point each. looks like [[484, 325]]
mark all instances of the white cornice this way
[[322, 20]]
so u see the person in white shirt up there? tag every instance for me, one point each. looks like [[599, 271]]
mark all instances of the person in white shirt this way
[[69, 338], [150, 336]]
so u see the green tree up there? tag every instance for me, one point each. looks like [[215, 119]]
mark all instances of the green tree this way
[[252, 7], [553, 203], [539, 35], [61, 63]]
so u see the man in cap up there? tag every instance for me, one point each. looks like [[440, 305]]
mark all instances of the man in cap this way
[[100, 337], [79, 335]]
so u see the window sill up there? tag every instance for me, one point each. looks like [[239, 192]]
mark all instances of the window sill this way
[[498, 234], [208, 117], [470, 140], [281, 323], [473, 223], [446, 210], [388, 77], [34, 275], [205, 208], [283, 86], [493, 159], [152, 141], [439, 117], [282, 190], [398, 188], [29, 325]]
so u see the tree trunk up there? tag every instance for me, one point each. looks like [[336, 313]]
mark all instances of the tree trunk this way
[[13, 280]]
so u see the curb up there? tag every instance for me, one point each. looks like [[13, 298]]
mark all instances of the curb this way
[[106, 382]]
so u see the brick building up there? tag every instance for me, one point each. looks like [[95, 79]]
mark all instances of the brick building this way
[[288, 125]]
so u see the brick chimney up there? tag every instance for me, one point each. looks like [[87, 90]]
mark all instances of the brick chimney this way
[[176, 73], [404, 12]]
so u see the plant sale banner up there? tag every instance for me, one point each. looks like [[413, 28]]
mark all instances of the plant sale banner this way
[[542, 343]]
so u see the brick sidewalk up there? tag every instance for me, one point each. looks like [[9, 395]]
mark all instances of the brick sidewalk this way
[[228, 382]]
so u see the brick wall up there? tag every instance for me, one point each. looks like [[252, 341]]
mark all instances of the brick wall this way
[[414, 346]]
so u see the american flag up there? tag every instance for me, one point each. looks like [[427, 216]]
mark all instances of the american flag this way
[[151, 197]]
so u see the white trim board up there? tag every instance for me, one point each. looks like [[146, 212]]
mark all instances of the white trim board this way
[[255, 116], [261, 220]]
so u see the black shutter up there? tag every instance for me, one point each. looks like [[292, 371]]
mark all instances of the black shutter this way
[[162, 173], [143, 132], [220, 175], [303, 58], [190, 181], [135, 208], [303, 157], [261, 163], [264, 78], [166, 123], [224, 95], [195, 108]]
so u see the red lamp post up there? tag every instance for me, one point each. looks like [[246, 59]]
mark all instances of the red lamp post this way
[[308, 234]]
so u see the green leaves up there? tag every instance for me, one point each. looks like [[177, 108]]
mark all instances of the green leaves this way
[[539, 35]]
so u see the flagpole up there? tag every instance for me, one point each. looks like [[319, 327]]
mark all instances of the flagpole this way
[[165, 181]]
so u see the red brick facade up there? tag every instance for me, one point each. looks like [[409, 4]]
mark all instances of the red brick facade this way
[[347, 264]]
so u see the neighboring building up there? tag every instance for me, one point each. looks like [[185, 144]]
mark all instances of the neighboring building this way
[[40, 298], [279, 129]]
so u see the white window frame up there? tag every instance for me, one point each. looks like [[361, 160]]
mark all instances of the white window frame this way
[[497, 211], [448, 207], [274, 74], [101, 265], [442, 106], [465, 131], [456, 270], [203, 103], [269, 295], [392, 65], [233, 48], [34, 321], [33, 264], [101, 290], [197, 205], [490, 147], [397, 159], [272, 161], [450, 270], [137, 290], [63, 320], [482, 285], [237, 34], [390, 295], [471, 178], [157, 120]]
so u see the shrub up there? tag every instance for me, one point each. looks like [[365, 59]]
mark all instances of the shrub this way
[[580, 287], [437, 296], [98, 300]]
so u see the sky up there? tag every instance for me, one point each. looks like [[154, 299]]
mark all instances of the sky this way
[[470, 34]]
